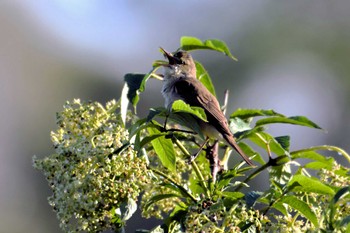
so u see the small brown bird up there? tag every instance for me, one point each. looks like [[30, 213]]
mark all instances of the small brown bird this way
[[180, 83]]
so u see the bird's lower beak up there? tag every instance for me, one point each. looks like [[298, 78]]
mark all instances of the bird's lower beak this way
[[172, 60]]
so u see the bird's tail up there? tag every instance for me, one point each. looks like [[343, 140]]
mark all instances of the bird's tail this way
[[230, 140]]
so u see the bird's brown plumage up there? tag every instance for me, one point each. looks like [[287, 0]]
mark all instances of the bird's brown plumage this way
[[180, 82]]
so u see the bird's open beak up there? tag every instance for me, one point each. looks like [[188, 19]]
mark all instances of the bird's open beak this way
[[172, 60]]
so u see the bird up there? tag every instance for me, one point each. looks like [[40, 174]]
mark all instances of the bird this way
[[180, 83]]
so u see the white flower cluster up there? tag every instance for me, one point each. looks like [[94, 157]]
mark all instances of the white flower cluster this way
[[90, 178]]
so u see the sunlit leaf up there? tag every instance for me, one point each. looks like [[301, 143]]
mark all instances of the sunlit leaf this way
[[300, 206], [180, 106], [310, 185], [192, 43], [250, 152], [249, 113], [204, 77], [262, 139], [296, 120], [164, 149], [238, 125], [233, 195], [320, 160], [150, 138]]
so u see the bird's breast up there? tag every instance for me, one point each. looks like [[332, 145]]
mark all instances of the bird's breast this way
[[169, 92]]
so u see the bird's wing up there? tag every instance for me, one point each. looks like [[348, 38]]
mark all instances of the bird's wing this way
[[196, 94]]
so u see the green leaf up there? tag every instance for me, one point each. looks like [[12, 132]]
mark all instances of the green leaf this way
[[180, 106], [309, 185], [164, 149], [320, 160], [326, 147], [340, 194], [135, 128], [284, 141], [153, 112], [262, 138], [301, 207], [159, 63], [150, 138], [249, 151], [233, 195], [280, 175], [247, 133], [225, 178], [192, 43], [238, 125], [307, 154], [204, 77], [333, 207], [186, 120], [296, 120], [320, 165], [249, 113], [281, 208], [135, 84]]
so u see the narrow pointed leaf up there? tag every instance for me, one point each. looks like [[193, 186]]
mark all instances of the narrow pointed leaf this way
[[164, 149], [204, 77], [309, 185], [150, 138], [248, 113], [301, 207], [220, 46], [233, 195], [296, 120], [262, 138], [320, 160], [249, 151], [319, 165]]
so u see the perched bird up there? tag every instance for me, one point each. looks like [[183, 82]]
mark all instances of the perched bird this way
[[180, 83]]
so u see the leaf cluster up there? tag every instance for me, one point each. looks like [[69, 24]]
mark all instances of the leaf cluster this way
[[307, 191]]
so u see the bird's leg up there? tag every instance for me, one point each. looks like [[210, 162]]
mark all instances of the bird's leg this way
[[213, 157], [194, 156]]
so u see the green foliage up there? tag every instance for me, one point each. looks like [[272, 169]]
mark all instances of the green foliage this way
[[104, 159]]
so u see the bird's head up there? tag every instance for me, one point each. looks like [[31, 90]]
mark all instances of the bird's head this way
[[180, 63]]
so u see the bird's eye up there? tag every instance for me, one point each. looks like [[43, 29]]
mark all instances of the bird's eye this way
[[178, 54]]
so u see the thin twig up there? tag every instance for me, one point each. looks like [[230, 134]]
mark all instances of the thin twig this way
[[171, 180], [194, 166]]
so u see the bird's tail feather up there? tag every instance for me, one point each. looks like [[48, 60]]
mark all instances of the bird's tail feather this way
[[233, 143]]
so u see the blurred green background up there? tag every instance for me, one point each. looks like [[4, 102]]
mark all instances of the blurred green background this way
[[293, 57]]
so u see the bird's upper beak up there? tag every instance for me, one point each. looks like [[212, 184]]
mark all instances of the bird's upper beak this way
[[172, 60]]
